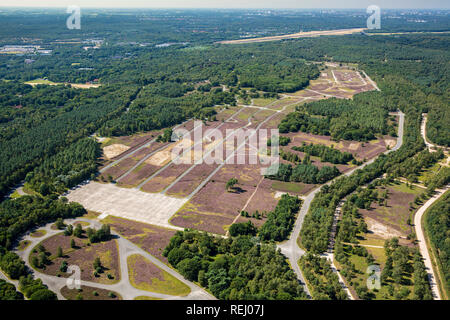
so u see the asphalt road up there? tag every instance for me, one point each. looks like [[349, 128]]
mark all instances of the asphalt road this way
[[290, 247], [423, 245], [123, 287]]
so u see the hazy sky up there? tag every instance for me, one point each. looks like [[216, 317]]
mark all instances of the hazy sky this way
[[232, 3]]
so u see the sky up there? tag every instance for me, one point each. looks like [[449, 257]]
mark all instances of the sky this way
[[386, 4]]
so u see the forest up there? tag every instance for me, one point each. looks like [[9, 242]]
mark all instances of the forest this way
[[437, 226], [24, 152], [281, 220], [235, 268], [66, 169], [325, 153], [360, 119], [305, 172]]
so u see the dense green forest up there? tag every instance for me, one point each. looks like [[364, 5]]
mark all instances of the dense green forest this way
[[27, 212], [8, 291], [281, 220], [305, 172], [325, 153], [23, 107], [236, 268], [22, 153], [437, 226], [359, 119], [67, 168]]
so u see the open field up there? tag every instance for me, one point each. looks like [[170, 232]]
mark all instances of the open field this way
[[214, 208], [360, 275], [296, 35], [360, 150], [391, 220], [335, 81], [146, 276], [186, 185], [150, 238], [194, 195], [83, 255]]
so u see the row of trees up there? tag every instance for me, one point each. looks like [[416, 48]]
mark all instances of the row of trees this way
[[15, 268], [437, 226], [325, 153], [305, 172], [281, 220]]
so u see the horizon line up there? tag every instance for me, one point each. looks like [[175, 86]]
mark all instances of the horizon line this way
[[215, 8]]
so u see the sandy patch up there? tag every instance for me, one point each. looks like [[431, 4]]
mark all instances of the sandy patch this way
[[381, 230], [84, 86], [390, 143], [114, 150], [278, 194], [165, 156], [353, 146]]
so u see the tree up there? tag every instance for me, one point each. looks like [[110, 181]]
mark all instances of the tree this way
[[59, 253], [60, 224], [189, 268], [72, 243], [97, 263], [43, 259], [78, 232], [43, 294], [69, 230], [246, 228], [231, 183], [63, 267], [35, 262]]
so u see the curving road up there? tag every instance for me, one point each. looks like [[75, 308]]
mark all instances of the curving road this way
[[423, 244], [418, 218], [123, 287], [290, 247]]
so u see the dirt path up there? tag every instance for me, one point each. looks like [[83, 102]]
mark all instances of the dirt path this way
[[423, 244], [246, 204], [371, 81]]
